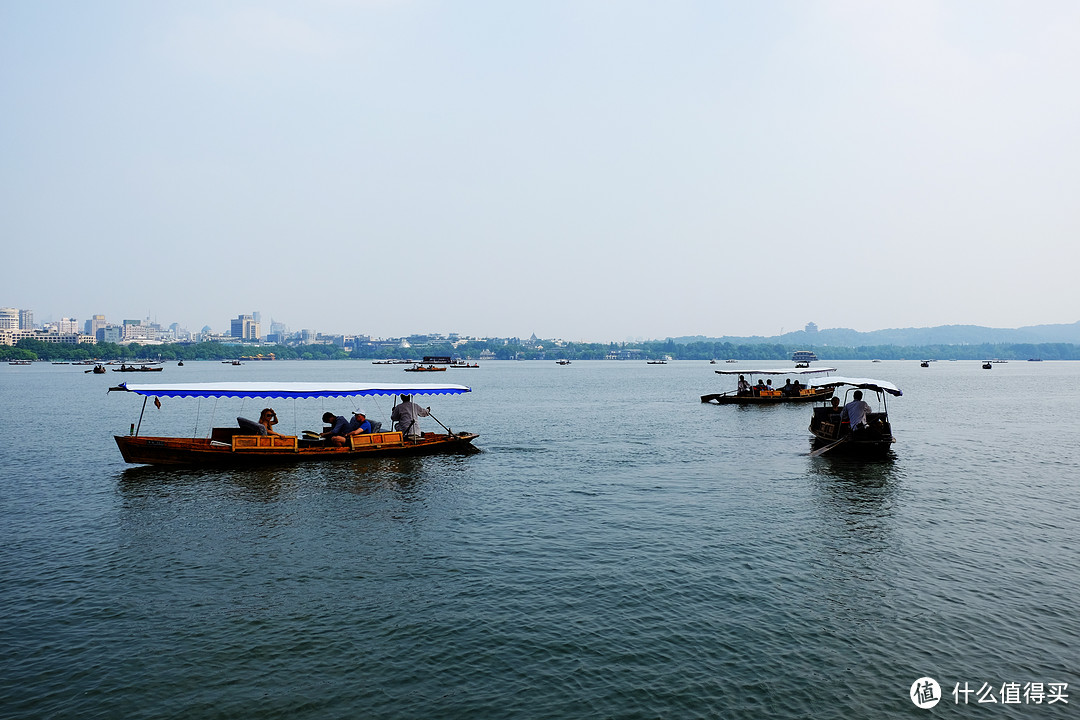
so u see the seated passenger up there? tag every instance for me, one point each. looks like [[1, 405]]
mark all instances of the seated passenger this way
[[359, 425], [268, 419], [339, 426], [744, 387]]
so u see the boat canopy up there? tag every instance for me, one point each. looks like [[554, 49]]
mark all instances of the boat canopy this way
[[781, 371], [290, 389], [863, 383]]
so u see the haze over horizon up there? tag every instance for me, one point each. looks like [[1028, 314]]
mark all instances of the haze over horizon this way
[[586, 170]]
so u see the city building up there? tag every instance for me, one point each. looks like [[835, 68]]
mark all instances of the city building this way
[[9, 319], [12, 337], [95, 323], [245, 327]]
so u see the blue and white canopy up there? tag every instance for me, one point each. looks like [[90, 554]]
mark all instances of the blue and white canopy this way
[[290, 389], [780, 371], [863, 383]]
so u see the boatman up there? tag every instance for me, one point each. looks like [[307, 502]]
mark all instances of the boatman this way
[[855, 412], [405, 416]]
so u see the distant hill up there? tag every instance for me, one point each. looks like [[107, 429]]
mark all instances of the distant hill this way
[[941, 335]]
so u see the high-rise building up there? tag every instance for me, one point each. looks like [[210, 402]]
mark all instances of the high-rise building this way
[[9, 318], [245, 327], [26, 319], [94, 324], [67, 326]]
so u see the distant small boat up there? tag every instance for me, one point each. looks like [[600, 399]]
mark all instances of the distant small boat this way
[[180, 364], [425, 368], [1034, 359], [986, 365], [562, 362], [464, 365], [924, 363], [19, 362], [656, 362], [133, 368]]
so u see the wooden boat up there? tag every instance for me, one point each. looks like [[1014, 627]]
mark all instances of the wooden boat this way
[[758, 396], [656, 362], [140, 368], [924, 363], [20, 362], [831, 434], [239, 446], [987, 366], [562, 362], [425, 368], [97, 370]]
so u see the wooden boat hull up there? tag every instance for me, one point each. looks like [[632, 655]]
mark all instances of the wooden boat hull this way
[[867, 447], [228, 448], [780, 399], [826, 428]]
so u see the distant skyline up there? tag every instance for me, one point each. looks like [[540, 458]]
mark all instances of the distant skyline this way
[[586, 170]]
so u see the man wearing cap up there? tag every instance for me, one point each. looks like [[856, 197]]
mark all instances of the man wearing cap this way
[[405, 414], [359, 424]]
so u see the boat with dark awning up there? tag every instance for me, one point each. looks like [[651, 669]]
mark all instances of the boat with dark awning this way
[[248, 444], [830, 427]]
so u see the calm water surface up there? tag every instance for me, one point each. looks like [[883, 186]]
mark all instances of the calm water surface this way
[[618, 550]]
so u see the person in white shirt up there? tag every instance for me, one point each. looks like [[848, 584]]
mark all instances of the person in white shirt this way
[[855, 412]]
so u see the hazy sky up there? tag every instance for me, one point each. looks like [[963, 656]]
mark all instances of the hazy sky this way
[[591, 170]]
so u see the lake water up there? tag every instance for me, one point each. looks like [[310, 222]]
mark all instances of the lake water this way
[[617, 550]]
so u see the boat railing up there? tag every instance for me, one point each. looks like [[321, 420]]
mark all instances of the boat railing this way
[[265, 442], [367, 440]]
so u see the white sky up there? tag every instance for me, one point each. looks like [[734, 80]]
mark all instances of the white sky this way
[[591, 170]]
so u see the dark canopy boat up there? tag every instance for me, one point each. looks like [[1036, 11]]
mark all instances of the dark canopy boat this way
[[249, 445], [772, 396], [829, 427]]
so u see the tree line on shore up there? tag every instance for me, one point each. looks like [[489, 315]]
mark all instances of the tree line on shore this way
[[30, 349]]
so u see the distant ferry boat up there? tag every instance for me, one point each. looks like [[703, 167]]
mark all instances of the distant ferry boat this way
[[803, 358]]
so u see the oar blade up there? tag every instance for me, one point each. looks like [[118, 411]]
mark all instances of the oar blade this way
[[822, 450]]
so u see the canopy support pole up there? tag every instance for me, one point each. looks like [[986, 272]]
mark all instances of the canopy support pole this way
[[145, 398]]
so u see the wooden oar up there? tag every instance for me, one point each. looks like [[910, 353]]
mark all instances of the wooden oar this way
[[449, 432], [830, 446]]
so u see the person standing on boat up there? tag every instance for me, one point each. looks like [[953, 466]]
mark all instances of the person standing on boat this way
[[405, 416], [855, 412]]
